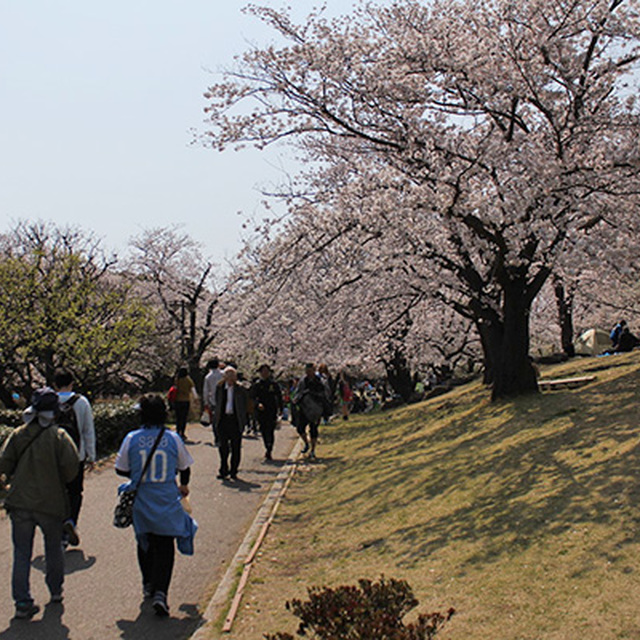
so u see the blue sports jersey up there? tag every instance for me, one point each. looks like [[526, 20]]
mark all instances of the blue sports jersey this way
[[157, 507]]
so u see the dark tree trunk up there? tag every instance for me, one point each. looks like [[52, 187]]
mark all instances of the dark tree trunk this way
[[564, 301], [513, 372], [399, 375]]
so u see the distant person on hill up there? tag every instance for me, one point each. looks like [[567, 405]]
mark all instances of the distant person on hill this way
[[626, 341], [38, 459], [615, 333], [185, 390], [82, 431]]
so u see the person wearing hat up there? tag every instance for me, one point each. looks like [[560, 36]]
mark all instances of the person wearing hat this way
[[230, 417], [268, 403], [37, 460]]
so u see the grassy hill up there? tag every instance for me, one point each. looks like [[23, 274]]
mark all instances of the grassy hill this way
[[524, 516]]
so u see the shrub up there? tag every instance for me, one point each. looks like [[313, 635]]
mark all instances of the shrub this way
[[372, 610], [113, 420]]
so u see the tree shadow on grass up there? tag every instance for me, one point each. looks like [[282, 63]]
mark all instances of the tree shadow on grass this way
[[548, 465]]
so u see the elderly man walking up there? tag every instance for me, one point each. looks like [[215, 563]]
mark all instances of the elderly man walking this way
[[230, 417], [38, 460]]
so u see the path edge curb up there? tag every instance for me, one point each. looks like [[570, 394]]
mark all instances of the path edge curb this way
[[224, 590]]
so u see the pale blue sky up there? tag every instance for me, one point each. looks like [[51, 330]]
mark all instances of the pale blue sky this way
[[97, 100]]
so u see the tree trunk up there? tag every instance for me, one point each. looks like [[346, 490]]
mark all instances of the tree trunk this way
[[564, 301], [513, 372], [399, 375]]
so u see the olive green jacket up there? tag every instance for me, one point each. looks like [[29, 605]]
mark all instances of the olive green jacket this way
[[38, 472]]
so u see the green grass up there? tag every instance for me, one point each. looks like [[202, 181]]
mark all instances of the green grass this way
[[524, 516]]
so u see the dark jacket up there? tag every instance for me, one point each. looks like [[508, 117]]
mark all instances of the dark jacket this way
[[267, 393], [38, 472], [312, 396], [239, 404]]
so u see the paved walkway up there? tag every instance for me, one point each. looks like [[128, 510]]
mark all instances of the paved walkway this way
[[103, 597]]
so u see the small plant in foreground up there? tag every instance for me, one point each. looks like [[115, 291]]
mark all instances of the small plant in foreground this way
[[370, 611]]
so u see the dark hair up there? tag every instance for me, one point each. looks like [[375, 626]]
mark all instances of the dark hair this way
[[214, 363], [264, 366], [153, 410], [62, 378], [182, 372]]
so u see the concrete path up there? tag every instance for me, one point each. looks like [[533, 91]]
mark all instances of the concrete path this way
[[103, 597]]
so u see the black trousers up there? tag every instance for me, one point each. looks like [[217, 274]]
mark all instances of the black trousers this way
[[267, 429], [156, 563], [182, 415], [229, 442], [74, 490]]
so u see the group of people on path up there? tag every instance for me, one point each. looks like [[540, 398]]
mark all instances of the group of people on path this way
[[43, 462], [42, 466]]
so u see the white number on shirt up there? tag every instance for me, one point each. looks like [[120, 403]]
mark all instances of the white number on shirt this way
[[159, 467]]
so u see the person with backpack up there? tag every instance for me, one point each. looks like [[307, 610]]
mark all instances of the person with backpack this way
[[312, 399], [37, 460], [76, 417]]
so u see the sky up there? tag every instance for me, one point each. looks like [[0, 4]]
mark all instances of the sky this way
[[98, 101]]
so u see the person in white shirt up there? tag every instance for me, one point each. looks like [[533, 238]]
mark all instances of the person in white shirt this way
[[85, 441], [211, 381]]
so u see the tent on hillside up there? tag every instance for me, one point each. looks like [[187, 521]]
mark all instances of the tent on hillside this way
[[592, 342]]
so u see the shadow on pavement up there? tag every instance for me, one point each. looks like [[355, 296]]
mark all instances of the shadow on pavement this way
[[74, 560], [148, 625], [241, 485], [49, 627]]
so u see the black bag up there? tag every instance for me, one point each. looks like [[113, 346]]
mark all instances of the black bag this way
[[68, 420], [123, 513]]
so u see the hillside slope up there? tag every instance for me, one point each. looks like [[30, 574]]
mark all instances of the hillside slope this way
[[524, 516]]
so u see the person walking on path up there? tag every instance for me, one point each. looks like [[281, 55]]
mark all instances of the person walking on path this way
[[211, 381], [312, 398], [158, 516], [76, 417], [185, 390], [229, 419], [37, 461], [268, 404]]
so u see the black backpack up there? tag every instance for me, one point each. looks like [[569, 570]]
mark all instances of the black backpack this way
[[68, 420]]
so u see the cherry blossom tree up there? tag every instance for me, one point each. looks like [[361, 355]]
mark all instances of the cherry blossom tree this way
[[482, 136], [303, 297], [180, 282]]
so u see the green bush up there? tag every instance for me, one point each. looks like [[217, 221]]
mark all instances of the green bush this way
[[372, 610], [113, 420]]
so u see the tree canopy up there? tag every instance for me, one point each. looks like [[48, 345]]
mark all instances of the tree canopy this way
[[471, 146]]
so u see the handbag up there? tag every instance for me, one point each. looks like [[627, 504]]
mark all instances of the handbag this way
[[123, 513]]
